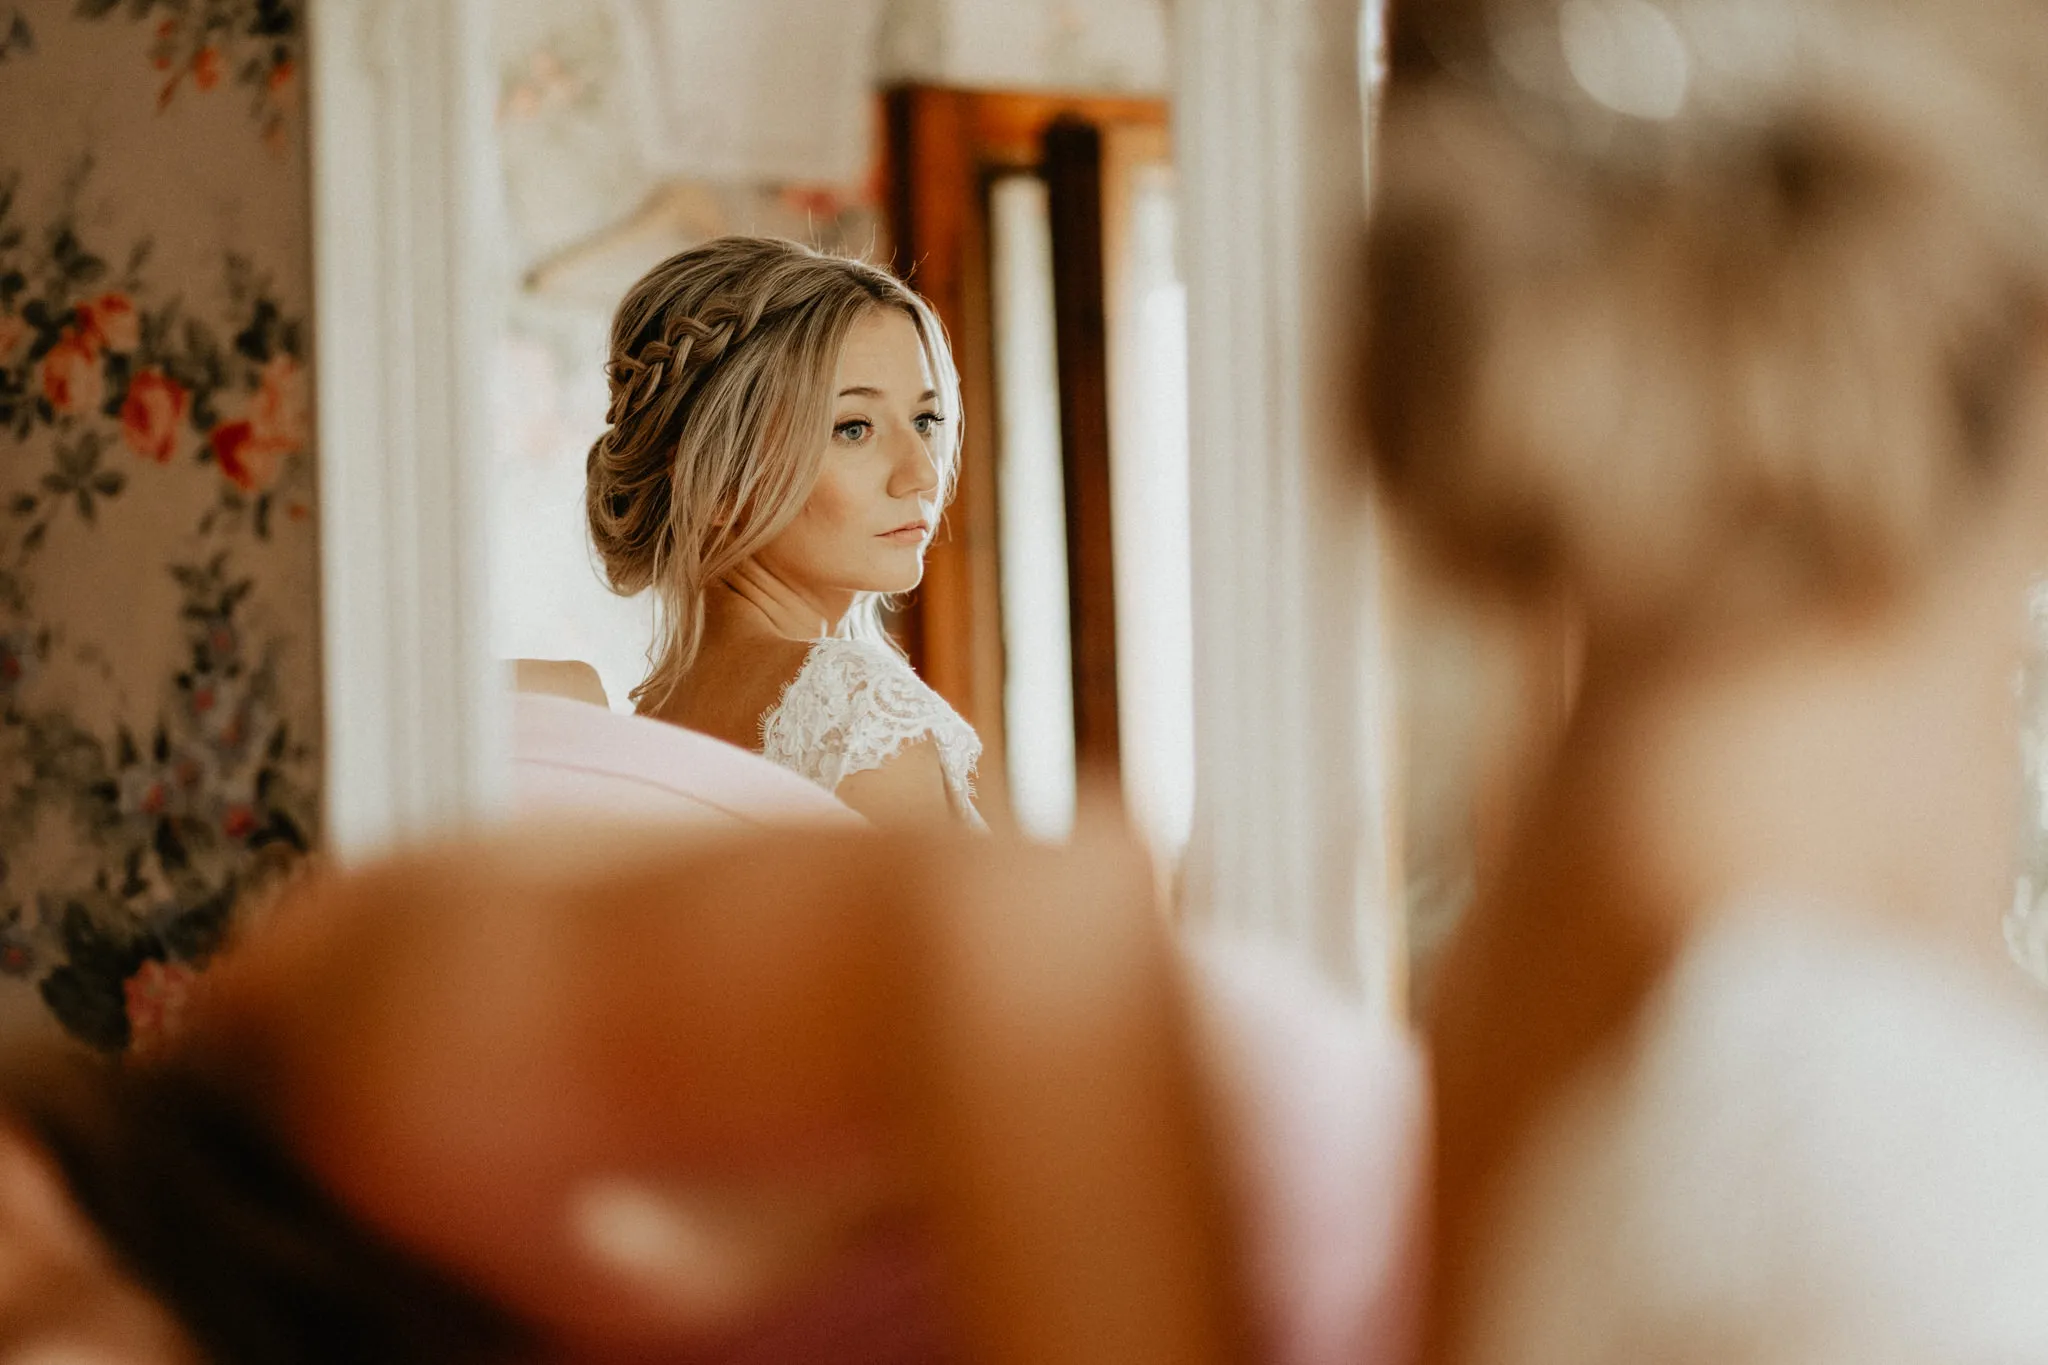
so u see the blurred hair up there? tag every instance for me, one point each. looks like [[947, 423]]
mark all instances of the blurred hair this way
[[201, 1205], [1667, 292], [721, 370]]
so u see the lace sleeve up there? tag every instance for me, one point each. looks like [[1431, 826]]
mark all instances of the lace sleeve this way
[[855, 705]]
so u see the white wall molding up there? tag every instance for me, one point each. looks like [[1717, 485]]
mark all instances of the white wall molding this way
[[1291, 837], [403, 293]]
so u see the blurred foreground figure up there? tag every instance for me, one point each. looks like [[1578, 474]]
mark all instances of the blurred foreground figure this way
[[1725, 323], [590, 1093], [581, 1096]]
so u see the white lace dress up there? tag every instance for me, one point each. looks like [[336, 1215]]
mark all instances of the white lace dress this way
[[853, 706], [1821, 1147]]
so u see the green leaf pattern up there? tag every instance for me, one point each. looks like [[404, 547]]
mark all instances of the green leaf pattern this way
[[252, 45]]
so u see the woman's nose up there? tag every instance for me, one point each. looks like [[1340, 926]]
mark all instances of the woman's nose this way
[[916, 466]]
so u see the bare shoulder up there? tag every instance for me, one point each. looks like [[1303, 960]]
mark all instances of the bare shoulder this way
[[571, 678], [732, 688], [774, 664], [907, 788]]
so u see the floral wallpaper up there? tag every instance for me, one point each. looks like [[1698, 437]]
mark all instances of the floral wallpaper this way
[[159, 712]]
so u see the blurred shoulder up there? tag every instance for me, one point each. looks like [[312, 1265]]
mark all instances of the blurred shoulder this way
[[1817, 1131]]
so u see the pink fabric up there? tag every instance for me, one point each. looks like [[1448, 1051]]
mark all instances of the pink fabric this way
[[1326, 1113], [573, 756]]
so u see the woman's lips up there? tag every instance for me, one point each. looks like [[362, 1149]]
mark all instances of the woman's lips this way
[[915, 533]]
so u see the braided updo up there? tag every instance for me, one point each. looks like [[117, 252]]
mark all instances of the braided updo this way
[[721, 370], [1671, 294]]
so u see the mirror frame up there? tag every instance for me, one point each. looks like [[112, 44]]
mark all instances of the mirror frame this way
[[1295, 819]]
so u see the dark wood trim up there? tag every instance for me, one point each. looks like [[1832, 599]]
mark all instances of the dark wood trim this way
[[938, 230], [942, 147], [1073, 176]]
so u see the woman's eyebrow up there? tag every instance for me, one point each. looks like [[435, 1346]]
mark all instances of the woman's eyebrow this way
[[864, 391]]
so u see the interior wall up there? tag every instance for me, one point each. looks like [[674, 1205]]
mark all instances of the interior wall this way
[[159, 695], [1105, 46]]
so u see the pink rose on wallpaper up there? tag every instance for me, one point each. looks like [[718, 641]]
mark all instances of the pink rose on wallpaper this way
[[158, 997], [247, 463], [165, 32], [275, 426], [240, 823], [71, 375], [280, 412], [110, 321], [151, 415], [207, 68], [14, 334]]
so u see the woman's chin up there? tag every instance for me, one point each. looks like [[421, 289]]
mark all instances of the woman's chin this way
[[895, 578], [905, 582]]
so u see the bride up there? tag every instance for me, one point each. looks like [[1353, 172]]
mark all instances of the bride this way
[[781, 440]]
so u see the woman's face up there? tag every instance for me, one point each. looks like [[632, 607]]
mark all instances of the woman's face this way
[[875, 504]]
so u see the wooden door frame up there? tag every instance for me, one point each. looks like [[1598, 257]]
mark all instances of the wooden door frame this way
[[1075, 164], [942, 149]]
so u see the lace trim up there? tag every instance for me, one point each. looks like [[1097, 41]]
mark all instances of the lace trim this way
[[852, 707]]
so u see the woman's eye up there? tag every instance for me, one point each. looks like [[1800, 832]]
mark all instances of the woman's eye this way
[[928, 423], [853, 432]]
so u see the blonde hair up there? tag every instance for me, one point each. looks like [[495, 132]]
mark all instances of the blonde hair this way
[[721, 368], [1772, 316]]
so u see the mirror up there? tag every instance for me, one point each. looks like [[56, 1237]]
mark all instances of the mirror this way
[[444, 315], [1019, 173]]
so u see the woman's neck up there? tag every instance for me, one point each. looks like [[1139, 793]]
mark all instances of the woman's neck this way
[[753, 600], [1873, 765]]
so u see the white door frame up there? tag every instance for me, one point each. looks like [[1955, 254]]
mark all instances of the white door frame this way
[[403, 298]]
